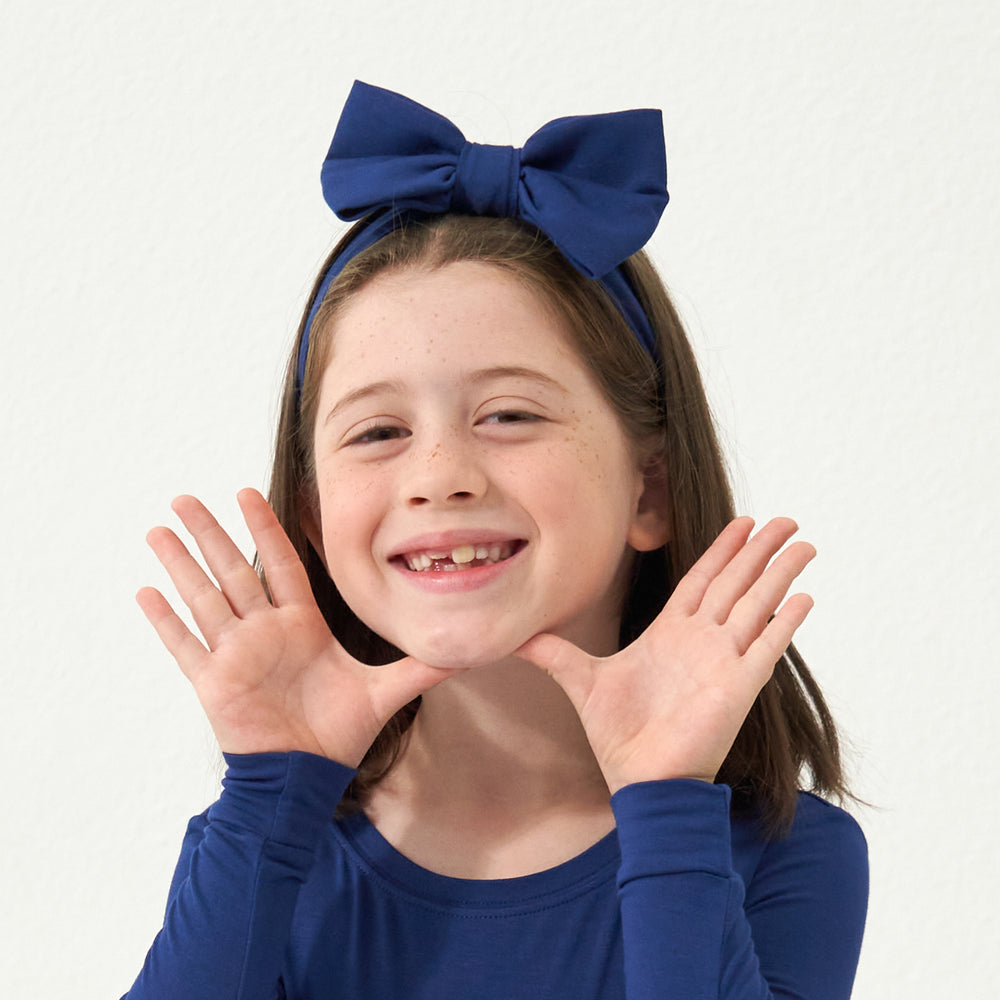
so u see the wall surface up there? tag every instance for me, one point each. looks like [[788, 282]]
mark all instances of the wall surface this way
[[832, 239]]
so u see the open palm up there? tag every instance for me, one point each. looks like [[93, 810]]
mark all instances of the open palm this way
[[269, 674], [671, 704]]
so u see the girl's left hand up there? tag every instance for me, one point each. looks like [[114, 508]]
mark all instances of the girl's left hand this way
[[670, 704]]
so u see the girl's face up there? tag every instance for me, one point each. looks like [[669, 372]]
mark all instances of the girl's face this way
[[475, 488]]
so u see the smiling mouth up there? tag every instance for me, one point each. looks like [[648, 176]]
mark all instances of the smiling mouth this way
[[461, 557]]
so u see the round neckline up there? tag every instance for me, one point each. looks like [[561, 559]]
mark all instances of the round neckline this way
[[374, 854]]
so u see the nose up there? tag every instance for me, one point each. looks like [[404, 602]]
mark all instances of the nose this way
[[447, 471]]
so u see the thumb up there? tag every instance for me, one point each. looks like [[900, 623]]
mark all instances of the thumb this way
[[568, 665], [398, 683]]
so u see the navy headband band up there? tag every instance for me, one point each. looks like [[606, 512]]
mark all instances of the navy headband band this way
[[595, 185]]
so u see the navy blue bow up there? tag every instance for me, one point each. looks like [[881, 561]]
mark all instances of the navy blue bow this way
[[596, 185]]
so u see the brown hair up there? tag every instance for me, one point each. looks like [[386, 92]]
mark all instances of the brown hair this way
[[664, 411]]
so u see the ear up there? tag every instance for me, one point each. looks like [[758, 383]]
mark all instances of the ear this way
[[650, 528], [310, 522]]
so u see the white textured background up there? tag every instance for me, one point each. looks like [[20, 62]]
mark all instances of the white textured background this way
[[832, 238]]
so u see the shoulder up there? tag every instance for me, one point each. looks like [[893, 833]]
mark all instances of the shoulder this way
[[822, 827], [805, 897], [817, 824], [824, 851]]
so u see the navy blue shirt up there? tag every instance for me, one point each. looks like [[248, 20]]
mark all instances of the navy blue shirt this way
[[273, 899]]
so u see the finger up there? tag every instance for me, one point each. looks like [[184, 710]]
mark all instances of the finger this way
[[745, 569], [690, 591], [753, 611], [211, 611], [178, 639], [769, 646], [287, 579], [570, 667], [237, 579]]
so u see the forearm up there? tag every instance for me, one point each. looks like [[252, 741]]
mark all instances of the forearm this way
[[227, 922], [689, 931]]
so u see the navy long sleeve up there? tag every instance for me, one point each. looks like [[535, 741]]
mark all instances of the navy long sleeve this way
[[237, 882], [272, 899], [788, 924]]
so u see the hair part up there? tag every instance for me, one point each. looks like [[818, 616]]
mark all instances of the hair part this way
[[789, 736]]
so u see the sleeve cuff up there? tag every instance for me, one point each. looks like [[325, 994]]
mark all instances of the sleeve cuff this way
[[667, 827], [285, 797]]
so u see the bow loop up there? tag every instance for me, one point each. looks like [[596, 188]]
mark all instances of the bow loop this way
[[594, 184], [389, 152], [597, 185]]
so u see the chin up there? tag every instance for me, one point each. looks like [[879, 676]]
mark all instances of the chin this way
[[450, 651]]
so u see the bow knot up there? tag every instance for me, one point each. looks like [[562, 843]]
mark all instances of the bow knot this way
[[486, 180]]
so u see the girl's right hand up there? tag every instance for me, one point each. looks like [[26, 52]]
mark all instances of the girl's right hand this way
[[273, 677]]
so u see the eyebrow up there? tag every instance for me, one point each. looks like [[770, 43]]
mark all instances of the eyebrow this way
[[477, 377], [363, 392], [514, 371]]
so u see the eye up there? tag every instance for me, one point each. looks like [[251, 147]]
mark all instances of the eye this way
[[374, 433], [510, 417]]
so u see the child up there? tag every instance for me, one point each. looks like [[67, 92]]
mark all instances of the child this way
[[502, 585]]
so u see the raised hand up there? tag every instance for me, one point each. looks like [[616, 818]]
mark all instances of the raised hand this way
[[270, 675], [670, 704]]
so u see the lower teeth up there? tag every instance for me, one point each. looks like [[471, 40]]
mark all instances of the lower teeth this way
[[453, 567]]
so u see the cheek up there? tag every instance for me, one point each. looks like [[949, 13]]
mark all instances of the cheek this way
[[349, 522], [580, 488], [603, 470], [346, 505], [600, 450]]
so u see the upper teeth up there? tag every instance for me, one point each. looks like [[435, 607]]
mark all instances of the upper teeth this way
[[460, 555]]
